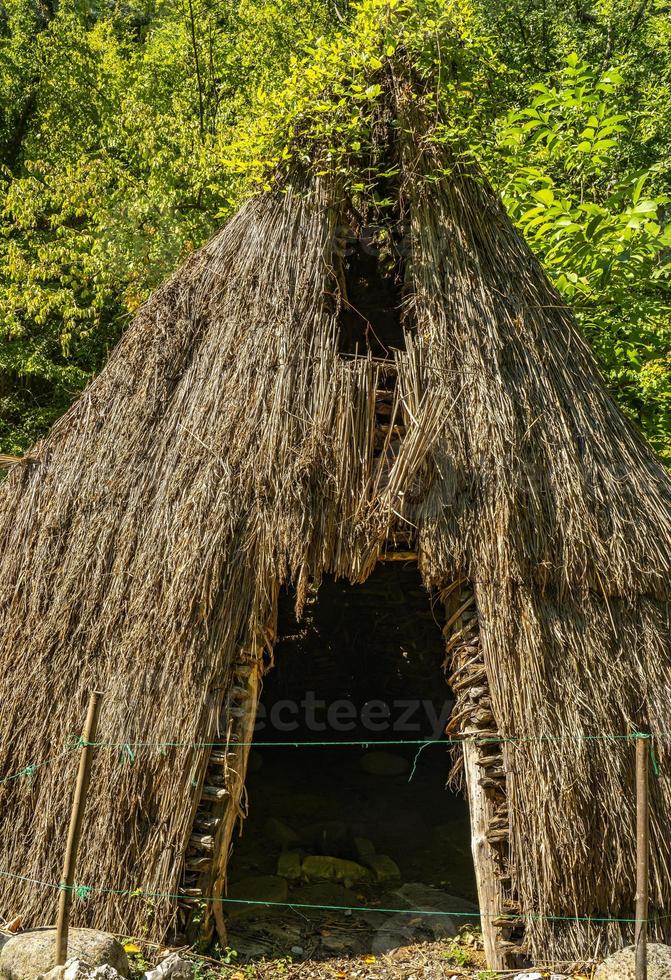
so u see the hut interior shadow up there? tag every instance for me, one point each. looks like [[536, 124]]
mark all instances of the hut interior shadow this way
[[338, 825], [370, 318]]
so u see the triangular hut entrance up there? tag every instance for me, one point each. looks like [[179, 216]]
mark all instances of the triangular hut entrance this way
[[229, 447], [447, 624]]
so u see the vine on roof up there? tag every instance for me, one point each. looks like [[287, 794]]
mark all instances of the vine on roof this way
[[332, 118]]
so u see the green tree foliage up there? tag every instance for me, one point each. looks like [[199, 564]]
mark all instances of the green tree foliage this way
[[115, 128], [599, 228], [129, 131]]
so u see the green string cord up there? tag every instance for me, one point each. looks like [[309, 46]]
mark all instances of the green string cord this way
[[84, 891], [128, 750], [126, 755], [29, 771], [26, 773], [374, 743], [79, 891]]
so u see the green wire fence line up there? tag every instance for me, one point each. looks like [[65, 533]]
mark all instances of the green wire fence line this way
[[82, 892], [367, 743], [129, 747], [28, 771]]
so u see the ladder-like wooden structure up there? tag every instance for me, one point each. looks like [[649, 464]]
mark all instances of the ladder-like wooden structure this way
[[220, 805]]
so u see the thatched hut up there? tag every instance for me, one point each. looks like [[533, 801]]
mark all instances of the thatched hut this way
[[286, 406]]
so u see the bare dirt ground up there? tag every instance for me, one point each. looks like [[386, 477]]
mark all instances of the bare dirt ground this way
[[461, 959]]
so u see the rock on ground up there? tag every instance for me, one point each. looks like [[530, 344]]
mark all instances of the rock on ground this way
[[289, 865], [384, 868], [322, 868], [79, 970], [621, 966], [365, 849], [173, 967], [427, 898], [404, 930], [31, 954]]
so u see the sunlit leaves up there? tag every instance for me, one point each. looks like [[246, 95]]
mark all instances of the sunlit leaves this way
[[129, 132], [116, 124], [604, 243]]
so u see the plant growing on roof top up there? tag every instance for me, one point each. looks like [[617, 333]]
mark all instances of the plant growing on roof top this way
[[326, 118]]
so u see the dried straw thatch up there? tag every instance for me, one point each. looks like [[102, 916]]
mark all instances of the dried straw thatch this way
[[226, 448]]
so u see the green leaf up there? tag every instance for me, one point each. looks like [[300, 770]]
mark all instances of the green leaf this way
[[545, 196], [601, 145], [593, 225], [645, 207]]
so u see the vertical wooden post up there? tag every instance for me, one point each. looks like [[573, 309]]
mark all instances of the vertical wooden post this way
[[74, 832], [490, 898], [642, 856]]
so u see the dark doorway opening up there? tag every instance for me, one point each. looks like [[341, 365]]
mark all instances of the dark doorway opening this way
[[352, 826], [370, 319]]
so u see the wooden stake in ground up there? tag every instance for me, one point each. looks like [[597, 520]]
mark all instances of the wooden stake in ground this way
[[642, 828], [75, 830]]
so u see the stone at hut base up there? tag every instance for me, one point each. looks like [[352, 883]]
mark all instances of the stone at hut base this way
[[365, 849], [171, 967], [337, 944], [79, 970], [31, 954], [425, 897], [384, 764], [384, 868], [262, 888], [289, 865], [622, 965], [319, 867], [399, 930]]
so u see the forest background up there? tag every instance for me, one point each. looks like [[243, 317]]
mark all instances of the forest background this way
[[130, 131]]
